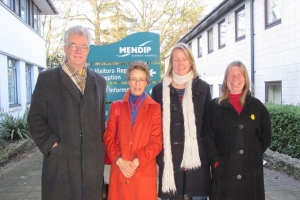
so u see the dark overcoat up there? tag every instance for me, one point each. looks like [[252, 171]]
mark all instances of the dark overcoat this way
[[59, 113], [197, 181], [237, 142]]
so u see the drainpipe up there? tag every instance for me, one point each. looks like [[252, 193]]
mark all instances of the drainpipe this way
[[252, 45]]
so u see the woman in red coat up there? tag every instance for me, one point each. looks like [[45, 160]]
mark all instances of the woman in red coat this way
[[133, 149]]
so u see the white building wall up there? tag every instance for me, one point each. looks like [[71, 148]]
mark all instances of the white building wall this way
[[20, 40], [276, 51], [212, 66], [3, 84], [21, 43]]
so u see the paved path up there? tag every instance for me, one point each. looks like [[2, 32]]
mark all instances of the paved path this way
[[20, 180]]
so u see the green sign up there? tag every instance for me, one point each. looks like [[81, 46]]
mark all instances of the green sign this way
[[143, 46], [105, 61]]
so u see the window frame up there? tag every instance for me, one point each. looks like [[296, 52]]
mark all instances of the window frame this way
[[12, 67], [273, 23], [272, 83], [237, 24], [36, 18], [9, 3], [17, 7], [210, 43], [25, 18], [220, 34], [199, 46], [190, 45], [211, 88], [28, 79]]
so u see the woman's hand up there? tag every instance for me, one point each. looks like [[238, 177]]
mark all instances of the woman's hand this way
[[127, 167], [136, 162]]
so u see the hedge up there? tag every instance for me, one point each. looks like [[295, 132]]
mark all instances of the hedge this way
[[285, 121]]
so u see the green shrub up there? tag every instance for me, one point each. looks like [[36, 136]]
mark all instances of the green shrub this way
[[2, 143], [285, 120], [14, 128]]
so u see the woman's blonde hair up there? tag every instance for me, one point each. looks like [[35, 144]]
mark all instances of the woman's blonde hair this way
[[188, 54], [224, 89]]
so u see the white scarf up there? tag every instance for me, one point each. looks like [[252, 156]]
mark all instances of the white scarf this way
[[191, 158]]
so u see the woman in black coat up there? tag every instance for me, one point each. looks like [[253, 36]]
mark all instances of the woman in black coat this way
[[238, 131], [183, 170]]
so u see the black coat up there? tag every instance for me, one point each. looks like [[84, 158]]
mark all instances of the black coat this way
[[237, 142], [197, 181], [58, 112]]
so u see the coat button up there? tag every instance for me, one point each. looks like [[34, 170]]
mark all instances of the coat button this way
[[127, 182], [239, 176], [241, 151], [241, 126]]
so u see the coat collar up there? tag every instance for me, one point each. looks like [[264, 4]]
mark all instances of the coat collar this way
[[226, 103], [67, 81], [143, 108]]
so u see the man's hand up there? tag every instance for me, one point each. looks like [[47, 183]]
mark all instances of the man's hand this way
[[55, 145]]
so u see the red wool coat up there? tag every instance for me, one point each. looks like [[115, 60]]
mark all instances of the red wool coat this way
[[144, 140]]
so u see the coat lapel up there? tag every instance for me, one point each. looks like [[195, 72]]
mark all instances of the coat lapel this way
[[67, 81], [143, 110], [89, 85]]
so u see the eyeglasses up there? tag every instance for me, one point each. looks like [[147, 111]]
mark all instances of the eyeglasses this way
[[134, 80], [74, 47]]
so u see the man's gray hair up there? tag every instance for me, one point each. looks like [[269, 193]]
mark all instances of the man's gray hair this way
[[78, 30]]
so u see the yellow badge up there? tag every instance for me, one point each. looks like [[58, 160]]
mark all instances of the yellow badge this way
[[252, 117]]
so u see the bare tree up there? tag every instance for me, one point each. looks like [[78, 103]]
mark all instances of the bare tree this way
[[53, 28], [112, 20], [104, 18], [172, 19]]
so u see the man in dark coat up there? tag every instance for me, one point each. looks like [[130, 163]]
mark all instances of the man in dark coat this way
[[67, 122]]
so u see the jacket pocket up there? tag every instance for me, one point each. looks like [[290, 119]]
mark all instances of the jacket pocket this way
[[218, 172]]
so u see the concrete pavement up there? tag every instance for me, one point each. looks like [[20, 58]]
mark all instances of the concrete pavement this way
[[21, 180]]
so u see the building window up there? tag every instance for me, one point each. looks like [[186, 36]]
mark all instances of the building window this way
[[9, 3], [273, 92], [199, 41], [12, 83], [190, 45], [220, 89], [17, 7], [36, 19], [210, 37], [222, 33], [272, 13], [211, 87], [28, 83], [24, 10], [240, 24]]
